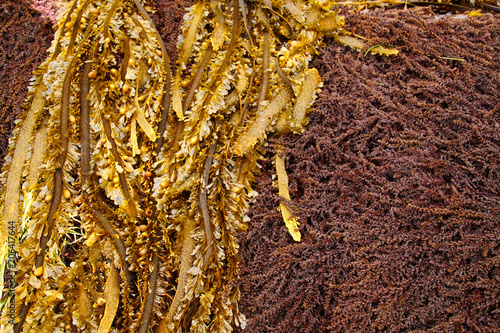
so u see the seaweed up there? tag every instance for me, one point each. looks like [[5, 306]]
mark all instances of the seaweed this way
[[152, 172], [396, 183]]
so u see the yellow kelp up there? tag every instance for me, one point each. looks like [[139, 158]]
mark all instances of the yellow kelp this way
[[291, 222], [149, 174]]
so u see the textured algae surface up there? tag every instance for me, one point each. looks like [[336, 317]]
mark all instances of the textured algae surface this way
[[143, 167]]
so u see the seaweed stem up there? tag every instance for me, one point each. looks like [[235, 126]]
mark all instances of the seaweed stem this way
[[69, 50], [186, 263], [166, 92], [58, 173], [148, 304], [22, 317], [197, 78], [108, 18], [85, 122], [283, 77], [126, 57], [57, 48], [119, 245], [204, 207], [265, 72]]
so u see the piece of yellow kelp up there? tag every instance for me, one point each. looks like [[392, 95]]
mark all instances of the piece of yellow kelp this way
[[358, 44], [259, 127], [380, 50], [220, 29], [141, 120], [184, 53], [352, 42], [10, 212], [306, 97], [291, 222], [112, 297], [83, 310]]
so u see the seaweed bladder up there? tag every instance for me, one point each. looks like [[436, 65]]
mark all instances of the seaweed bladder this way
[[151, 172]]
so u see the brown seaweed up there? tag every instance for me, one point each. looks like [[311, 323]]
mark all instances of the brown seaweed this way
[[151, 172]]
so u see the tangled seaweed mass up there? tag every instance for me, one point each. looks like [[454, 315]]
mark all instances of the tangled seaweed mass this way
[[150, 171], [397, 183]]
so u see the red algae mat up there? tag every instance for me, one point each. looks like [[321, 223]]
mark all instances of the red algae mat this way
[[396, 179], [397, 183]]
